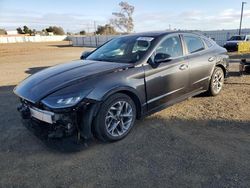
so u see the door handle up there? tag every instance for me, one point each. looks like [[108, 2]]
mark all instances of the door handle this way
[[183, 67], [211, 59]]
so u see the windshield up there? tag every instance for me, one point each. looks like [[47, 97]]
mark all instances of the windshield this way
[[129, 49], [237, 38]]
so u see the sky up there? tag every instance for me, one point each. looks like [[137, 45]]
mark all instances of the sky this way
[[76, 15]]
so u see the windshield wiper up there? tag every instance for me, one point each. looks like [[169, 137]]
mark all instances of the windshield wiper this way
[[103, 60]]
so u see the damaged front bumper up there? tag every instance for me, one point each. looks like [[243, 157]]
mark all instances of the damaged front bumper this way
[[60, 123]]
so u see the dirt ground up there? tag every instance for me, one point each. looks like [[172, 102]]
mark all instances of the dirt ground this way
[[201, 142]]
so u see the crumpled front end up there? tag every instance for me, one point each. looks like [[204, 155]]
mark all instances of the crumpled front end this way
[[58, 123]]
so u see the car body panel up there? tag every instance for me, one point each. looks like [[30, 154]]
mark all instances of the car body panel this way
[[129, 79], [200, 69], [152, 86], [165, 82], [45, 82]]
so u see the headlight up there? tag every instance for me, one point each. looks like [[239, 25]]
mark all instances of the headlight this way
[[68, 101], [60, 100]]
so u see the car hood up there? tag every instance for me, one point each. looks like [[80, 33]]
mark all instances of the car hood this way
[[37, 86]]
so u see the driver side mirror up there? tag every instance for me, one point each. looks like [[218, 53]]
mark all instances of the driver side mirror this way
[[161, 58], [85, 55]]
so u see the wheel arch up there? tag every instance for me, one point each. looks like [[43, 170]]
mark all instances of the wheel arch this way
[[132, 93], [223, 68]]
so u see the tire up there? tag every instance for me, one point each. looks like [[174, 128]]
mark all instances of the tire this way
[[216, 82], [115, 118]]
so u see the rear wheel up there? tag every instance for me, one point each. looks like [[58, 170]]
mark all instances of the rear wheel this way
[[115, 118], [216, 82]]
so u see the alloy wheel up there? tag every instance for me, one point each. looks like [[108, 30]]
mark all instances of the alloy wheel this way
[[119, 118], [218, 81]]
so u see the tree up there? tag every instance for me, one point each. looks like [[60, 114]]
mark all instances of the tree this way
[[3, 32], [56, 30], [25, 30], [49, 29], [19, 30], [106, 30], [82, 32], [123, 20]]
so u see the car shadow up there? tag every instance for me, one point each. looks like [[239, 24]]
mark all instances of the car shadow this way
[[234, 74], [68, 144]]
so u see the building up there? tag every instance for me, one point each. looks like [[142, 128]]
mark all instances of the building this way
[[50, 33], [13, 32]]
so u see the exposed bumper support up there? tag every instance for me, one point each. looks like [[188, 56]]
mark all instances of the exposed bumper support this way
[[63, 124], [59, 125]]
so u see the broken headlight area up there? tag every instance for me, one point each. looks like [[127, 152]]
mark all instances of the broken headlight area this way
[[57, 123]]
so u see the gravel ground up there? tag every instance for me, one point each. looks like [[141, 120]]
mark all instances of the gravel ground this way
[[201, 142]]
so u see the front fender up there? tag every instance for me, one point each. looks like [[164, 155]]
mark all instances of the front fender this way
[[131, 81]]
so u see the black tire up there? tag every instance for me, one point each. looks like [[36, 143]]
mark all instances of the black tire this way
[[100, 124], [213, 89]]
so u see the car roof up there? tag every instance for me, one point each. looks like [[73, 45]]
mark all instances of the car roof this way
[[153, 33], [160, 33]]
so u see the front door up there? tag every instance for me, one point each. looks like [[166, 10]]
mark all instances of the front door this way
[[167, 81]]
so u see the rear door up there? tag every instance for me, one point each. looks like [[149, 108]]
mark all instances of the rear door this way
[[201, 61], [169, 80]]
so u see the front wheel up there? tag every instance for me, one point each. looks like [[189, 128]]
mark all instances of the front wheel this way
[[115, 118], [216, 82]]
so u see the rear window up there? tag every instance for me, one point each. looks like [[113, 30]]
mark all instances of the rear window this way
[[208, 43], [194, 44]]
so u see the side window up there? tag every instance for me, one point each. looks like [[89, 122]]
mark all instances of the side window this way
[[171, 46], [141, 45], [194, 44]]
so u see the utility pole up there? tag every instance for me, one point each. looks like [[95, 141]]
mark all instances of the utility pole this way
[[241, 16], [88, 28], [95, 33], [95, 27]]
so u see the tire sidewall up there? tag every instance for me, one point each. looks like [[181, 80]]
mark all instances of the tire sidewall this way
[[100, 125]]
